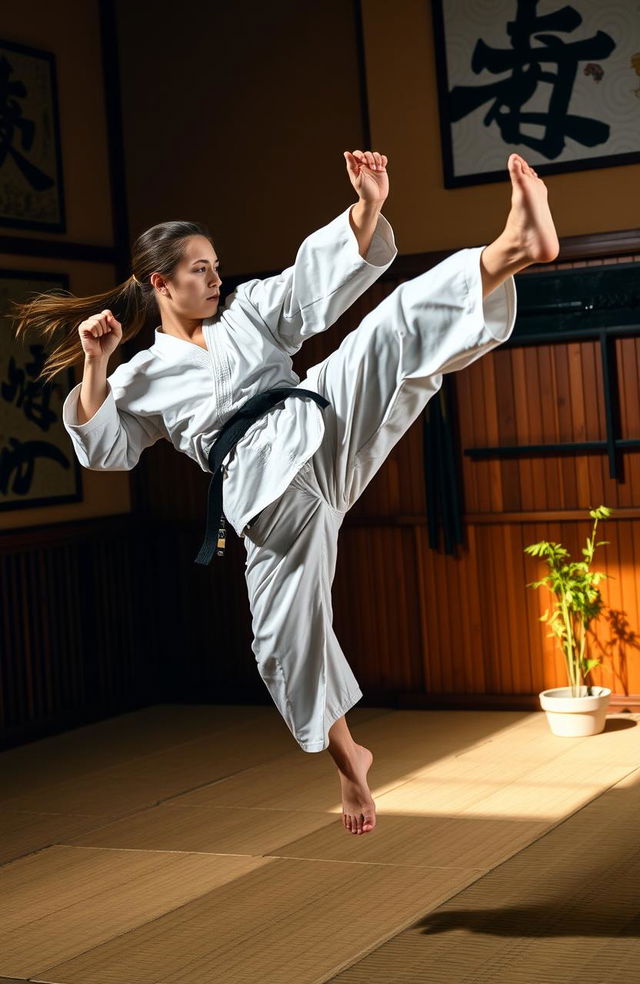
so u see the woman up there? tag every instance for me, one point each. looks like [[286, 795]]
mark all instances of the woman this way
[[301, 464]]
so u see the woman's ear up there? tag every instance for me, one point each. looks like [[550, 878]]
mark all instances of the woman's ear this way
[[158, 281]]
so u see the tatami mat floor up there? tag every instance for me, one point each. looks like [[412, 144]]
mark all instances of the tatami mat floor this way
[[199, 844]]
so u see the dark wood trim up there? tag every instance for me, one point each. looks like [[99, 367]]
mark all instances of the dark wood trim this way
[[497, 702], [56, 249], [549, 516], [593, 246], [48, 535], [115, 144], [362, 73], [599, 245], [25, 538]]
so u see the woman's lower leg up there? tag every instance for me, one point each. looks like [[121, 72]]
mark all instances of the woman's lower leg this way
[[353, 762]]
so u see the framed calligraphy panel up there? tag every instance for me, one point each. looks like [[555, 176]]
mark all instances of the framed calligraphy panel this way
[[37, 464], [556, 82], [31, 192]]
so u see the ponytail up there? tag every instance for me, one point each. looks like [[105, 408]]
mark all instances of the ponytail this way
[[55, 316]]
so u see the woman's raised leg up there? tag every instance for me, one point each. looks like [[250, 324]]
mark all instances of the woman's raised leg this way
[[385, 371]]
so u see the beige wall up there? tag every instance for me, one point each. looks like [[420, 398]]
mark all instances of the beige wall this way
[[403, 109], [70, 28]]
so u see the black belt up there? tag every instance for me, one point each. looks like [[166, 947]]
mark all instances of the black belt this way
[[235, 428]]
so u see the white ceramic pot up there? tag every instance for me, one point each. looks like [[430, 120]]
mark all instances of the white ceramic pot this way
[[575, 717]]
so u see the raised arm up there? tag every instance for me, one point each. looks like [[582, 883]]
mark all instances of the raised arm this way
[[368, 175], [333, 266]]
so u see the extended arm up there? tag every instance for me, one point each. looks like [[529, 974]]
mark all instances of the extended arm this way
[[333, 267]]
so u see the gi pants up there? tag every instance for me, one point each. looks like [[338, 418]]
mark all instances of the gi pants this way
[[378, 381]]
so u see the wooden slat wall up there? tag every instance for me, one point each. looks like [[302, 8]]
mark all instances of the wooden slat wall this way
[[97, 618]]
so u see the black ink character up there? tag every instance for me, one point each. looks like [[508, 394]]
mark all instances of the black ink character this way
[[33, 397], [21, 460], [525, 62], [11, 119]]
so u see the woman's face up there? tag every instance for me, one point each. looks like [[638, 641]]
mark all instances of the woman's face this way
[[193, 290]]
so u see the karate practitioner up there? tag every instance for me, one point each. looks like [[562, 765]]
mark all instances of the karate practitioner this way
[[299, 466]]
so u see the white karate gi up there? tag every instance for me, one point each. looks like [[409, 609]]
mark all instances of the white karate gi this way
[[300, 467]]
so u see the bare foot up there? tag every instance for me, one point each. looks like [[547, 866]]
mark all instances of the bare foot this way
[[358, 808], [529, 235], [529, 224]]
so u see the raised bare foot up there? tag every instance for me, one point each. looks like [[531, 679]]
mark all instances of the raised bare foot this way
[[529, 225], [358, 808], [529, 235]]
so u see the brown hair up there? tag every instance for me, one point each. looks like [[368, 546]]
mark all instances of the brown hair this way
[[57, 314]]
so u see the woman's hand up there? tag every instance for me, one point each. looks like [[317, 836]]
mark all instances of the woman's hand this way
[[367, 172], [100, 335]]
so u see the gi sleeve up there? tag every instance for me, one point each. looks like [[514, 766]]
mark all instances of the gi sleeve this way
[[115, 437], [328, 275]]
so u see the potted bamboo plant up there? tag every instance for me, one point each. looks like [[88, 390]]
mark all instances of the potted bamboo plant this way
[[580, 708]]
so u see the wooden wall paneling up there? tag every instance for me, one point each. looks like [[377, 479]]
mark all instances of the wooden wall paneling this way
[[488, 370], [536, 492], [469, 621], [388, 612], [627, 649], [439, 641], [464, 653], [521, 399], [628, 351], [494, 588], [476, 620], [81, 635], [630, 612], [355, 605], [531, 631], [516, 678], [585, 466], [478, 476], [586, 362], [467, 436], [505, 409], [549, 420], [570, 413], [425, 653]]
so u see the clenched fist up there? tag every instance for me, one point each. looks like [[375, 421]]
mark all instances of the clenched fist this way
[[100, 335]]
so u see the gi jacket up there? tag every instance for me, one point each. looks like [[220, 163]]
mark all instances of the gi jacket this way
[[181, 392]]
